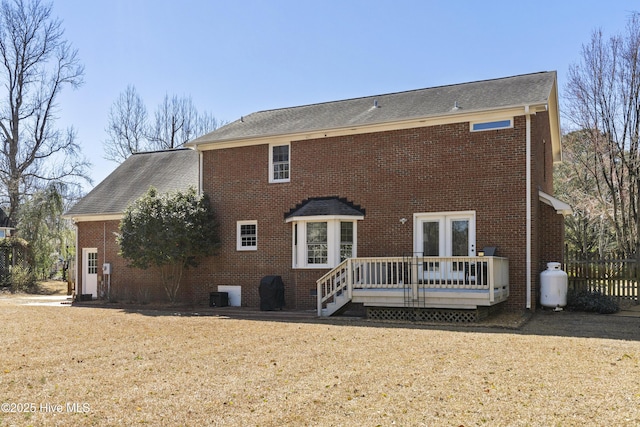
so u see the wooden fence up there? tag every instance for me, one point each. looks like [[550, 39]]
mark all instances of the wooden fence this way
[[615, 277]]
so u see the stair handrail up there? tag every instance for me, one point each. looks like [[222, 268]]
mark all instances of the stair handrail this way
[[339, 279]]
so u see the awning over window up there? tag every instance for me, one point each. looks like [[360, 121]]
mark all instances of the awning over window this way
[[560, 206], [332, 207]]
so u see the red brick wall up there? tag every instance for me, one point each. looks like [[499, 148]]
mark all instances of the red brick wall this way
[[551, 244], [542, 166], [127, 284], [392, 175], [547, 224]]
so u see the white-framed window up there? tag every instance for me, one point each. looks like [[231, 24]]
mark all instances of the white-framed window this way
[[92, 263], [346, 239], [247, 235], [323, 242], [279, 162], [491, 125], [317, 243]]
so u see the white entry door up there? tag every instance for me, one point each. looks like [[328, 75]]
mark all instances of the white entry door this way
[[90, 271], [447, 234]]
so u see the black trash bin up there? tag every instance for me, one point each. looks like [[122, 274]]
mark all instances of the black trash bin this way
[[271, 293]]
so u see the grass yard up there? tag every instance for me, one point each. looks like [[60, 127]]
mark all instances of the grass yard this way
[[109, 367]]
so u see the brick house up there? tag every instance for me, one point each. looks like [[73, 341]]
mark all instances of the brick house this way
[[97, 219], [432, 198]]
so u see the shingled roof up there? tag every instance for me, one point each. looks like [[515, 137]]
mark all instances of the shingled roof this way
[[325, 206], [170, 170], [523, 90]]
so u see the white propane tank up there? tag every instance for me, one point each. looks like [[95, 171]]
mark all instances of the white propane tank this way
[[554, 285]]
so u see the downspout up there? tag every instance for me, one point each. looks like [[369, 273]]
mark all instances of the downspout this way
[[75, 263], [104, 256], [528, 189], [200, 173]]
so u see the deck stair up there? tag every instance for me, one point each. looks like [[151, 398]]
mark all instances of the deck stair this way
[[334, 291], [339, 303]]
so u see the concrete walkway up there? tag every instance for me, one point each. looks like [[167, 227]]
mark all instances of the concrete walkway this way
[[629, 311], [40, 300], [61, 300]]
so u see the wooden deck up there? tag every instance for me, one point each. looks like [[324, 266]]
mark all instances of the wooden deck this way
[[423, 282]]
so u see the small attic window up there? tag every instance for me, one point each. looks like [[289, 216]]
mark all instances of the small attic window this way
[[495, 125]]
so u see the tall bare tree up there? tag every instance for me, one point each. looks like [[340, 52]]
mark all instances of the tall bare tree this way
[[127, 126], [205, 123], [603, 99], [589, 229], [37, 63], [176, 121]]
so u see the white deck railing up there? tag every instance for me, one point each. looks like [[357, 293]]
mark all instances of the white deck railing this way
[[413, 273]]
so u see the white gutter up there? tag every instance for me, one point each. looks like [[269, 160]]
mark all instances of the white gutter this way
[[94, 217], [528, 189], [202, 143]]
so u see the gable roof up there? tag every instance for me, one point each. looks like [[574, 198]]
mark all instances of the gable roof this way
[[524, 91], [325, 206], [169, 170]]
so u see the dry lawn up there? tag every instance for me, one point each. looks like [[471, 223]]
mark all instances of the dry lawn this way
[[161, 369]]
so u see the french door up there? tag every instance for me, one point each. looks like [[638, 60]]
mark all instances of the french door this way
[[445, 235]]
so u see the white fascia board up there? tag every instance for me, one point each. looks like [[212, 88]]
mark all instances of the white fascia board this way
[[443, 119], [96, 217], [560, 206], [554, 125]]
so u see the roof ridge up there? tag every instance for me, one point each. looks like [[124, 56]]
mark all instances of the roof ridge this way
[[351, 113], [397, 92], [166, 150]]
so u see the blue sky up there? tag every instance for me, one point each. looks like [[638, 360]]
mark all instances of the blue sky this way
[[234, 58]]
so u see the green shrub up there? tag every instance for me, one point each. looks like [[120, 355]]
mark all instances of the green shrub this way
[[22, 279], [591, 301]]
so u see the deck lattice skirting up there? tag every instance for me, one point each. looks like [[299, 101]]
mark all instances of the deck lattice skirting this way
[[426, 315]]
